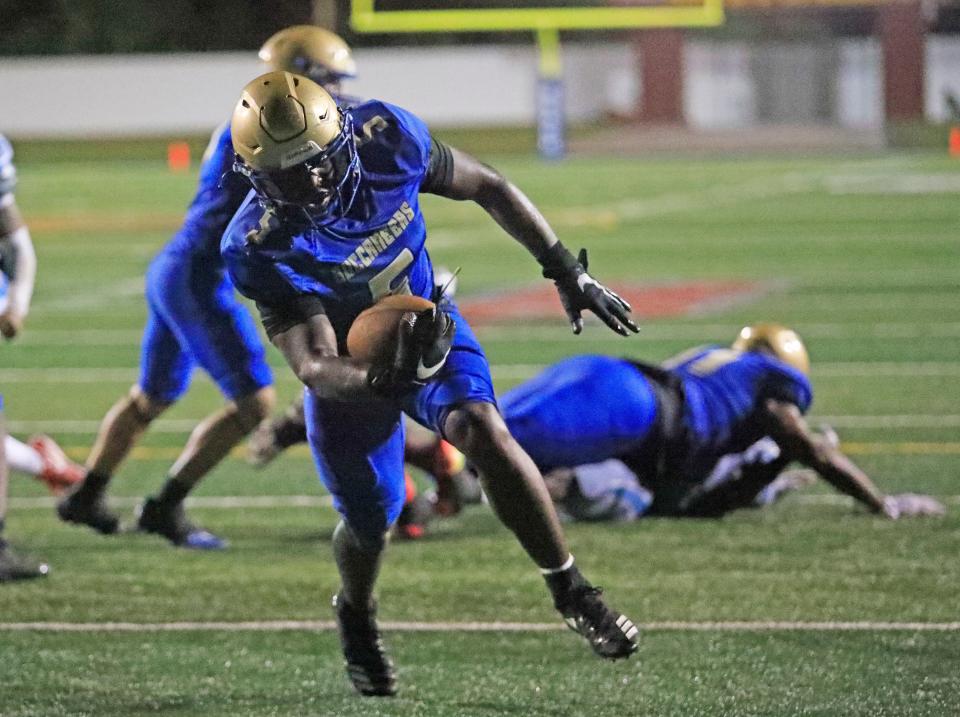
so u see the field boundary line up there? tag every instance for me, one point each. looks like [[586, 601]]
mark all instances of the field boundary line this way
[[79, 374], [407, 626], [185, 425], [243, 502], [558, 333], [226, 502]]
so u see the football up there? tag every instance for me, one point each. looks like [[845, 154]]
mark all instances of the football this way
[[374, 332]]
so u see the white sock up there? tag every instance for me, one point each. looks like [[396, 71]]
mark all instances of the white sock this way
[[553, 571], [21, 457]]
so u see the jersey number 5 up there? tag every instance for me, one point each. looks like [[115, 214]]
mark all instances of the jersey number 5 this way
[[382, 284]]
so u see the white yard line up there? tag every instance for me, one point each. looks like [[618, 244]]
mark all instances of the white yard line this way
[[185, 425], [164, 425], [519, 372], [559, 333], [74, 374], [226, 502], [887, 368], [893, 421], [715, 195], [837, 499], [707, 198], [243, 502], [887, 184], [67, 375], [86, 300], [82, 337], [406, 626]]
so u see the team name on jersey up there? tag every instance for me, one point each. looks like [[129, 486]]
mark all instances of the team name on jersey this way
[[375, 244]]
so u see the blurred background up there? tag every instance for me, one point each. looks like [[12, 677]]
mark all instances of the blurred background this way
[[784, 160], [846, 73]]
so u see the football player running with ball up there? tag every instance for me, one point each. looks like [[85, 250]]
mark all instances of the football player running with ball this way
[[194, 319], [335, 224]]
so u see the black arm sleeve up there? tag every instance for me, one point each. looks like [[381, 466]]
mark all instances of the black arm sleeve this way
[[439, 170], [277, 319]]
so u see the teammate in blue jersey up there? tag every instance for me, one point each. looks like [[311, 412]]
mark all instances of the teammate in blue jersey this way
[[194, 319], [334, 224], [705, 433], [18, 266]]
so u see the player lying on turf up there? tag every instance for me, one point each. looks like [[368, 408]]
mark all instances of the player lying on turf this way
[[707, 432], [195, 319], [18, 268], [334, 225]]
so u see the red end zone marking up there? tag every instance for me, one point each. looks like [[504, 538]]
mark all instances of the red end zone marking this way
[[648, 302]]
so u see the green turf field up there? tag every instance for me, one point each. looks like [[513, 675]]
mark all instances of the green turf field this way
[[859, 254]]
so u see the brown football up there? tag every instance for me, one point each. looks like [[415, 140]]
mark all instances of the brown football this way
[[374, 332]]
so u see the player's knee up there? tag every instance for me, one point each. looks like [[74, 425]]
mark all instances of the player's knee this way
[[476, 427], [367, 537], [256, 407], [144, 406]]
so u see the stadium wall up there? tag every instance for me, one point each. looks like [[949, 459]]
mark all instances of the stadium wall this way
[[88, 96]]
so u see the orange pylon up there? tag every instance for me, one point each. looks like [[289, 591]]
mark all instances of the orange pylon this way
[[178, 156], [954, 142]]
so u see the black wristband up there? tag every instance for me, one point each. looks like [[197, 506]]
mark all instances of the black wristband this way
[[558, 262]]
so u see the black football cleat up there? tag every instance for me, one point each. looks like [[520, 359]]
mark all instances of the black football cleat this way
[[611, 635], [17, 567], [86, 507], [172, 523], [368, 666]]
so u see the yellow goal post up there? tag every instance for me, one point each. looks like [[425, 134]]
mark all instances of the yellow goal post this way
[[545, 21]]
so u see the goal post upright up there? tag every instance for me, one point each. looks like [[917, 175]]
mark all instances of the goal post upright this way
[[545, 23]]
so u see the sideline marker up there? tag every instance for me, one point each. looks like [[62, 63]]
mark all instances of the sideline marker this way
[[954, 142], [178, 156]]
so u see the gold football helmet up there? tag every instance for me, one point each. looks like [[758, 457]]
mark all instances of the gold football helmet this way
[[776, 340], [311, 51], [295, 145]]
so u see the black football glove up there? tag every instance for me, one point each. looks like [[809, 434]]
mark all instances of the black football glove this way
[[423, 343], [579, 291]]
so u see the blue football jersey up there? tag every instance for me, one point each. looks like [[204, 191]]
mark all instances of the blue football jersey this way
[[724, 388], [8, 173], [220, 192], [375, 250]]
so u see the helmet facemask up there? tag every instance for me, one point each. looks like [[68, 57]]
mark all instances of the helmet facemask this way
[[323, 186]]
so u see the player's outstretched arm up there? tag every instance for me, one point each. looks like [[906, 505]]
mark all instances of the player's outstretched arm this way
[[788, 428], [457, 175]]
